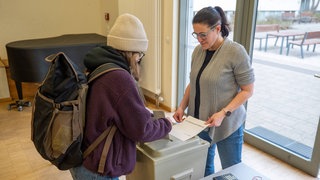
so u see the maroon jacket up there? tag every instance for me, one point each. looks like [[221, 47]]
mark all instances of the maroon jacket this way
[[114, 99]]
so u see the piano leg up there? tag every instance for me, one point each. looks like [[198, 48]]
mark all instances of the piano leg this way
[[19, 104]]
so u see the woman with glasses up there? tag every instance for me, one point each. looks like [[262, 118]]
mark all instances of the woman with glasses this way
[[221, 81], [113, 99]]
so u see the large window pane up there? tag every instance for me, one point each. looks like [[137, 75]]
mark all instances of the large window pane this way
[[285, 108]]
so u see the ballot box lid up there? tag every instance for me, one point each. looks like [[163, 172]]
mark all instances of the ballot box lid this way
[[170, 145]]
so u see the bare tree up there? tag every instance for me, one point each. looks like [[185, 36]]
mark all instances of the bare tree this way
[[309, 5], [314, 5]]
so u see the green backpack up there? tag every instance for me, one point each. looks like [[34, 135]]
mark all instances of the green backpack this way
[[58, 113]]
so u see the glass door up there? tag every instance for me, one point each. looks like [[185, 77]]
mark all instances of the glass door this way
[[285, 108], [283, 114]]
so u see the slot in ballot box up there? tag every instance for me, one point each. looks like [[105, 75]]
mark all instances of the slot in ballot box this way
[[170, 159]]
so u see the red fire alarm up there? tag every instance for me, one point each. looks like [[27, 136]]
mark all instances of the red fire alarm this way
[[106, 16]]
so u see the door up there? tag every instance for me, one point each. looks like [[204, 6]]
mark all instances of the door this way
[[283, 115]]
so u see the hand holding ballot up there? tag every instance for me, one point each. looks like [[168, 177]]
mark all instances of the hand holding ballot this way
[[188, 128], [178, 115]]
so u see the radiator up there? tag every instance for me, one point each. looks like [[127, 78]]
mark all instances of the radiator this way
[[149, 12]]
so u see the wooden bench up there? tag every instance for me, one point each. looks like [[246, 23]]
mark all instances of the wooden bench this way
[[306, 17], [309, 38], [263, 29], [289, 16]]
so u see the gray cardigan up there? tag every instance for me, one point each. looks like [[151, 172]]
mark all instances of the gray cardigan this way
[[228, 69]]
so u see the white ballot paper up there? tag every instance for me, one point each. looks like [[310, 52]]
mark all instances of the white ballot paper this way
[[188, 128]]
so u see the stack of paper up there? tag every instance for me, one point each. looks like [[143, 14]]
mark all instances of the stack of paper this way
[[188, 128]]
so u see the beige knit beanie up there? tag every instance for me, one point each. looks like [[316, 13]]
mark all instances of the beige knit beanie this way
[[128, 34]]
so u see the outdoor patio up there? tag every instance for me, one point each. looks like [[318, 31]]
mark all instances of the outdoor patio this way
[[295, 31], [286, 98]]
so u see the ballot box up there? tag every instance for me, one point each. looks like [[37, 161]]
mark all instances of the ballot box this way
[[170, 159]]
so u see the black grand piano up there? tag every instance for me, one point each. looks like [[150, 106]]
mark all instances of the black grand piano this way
[[27, 57]]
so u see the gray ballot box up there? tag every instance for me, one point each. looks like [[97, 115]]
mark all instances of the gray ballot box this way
[[170, 159]]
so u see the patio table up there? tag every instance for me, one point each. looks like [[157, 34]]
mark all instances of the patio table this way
[[285, 34]]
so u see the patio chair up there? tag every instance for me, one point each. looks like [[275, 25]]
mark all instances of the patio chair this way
[[309, 38], [263, 29]]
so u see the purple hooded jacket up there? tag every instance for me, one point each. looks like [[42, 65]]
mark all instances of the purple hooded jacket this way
[[113, 98]]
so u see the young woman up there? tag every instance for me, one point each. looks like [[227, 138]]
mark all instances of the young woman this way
[[113, 99]]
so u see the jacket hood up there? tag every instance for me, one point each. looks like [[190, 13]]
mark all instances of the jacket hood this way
[[104, 54]]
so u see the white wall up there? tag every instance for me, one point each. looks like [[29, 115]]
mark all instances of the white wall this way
[[31, 19], [170, 29], [4, 89], [111, 7]]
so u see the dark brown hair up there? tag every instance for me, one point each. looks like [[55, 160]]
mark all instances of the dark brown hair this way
[[212, 16], [134, 66]]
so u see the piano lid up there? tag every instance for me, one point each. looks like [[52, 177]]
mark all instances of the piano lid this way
[[54, 42], [27, 57]]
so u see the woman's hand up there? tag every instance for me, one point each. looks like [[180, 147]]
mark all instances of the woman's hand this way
[[216, 119], [178, 115]]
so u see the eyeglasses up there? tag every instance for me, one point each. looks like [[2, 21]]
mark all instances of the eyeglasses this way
[[203, 35], [141, 55]]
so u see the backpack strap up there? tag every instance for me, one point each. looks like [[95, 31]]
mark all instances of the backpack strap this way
[[104, 68], [105, 150], [108, 134], [96, 142], [110, 131]]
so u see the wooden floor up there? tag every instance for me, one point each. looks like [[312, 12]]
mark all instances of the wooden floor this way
[[20, 160]]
